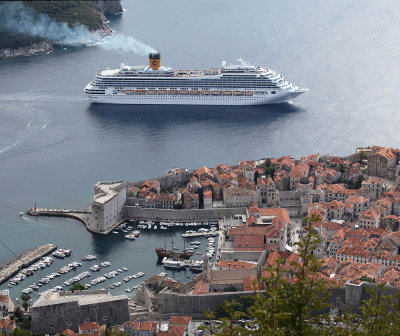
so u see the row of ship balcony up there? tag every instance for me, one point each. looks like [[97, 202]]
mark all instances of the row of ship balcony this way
[[195, 92]]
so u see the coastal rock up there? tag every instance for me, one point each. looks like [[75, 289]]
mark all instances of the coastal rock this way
[[33, 49], [110, 7]]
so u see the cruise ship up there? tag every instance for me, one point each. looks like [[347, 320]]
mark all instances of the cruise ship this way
[[241, 84]]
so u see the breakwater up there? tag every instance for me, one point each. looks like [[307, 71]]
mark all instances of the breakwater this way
[[25, 260]]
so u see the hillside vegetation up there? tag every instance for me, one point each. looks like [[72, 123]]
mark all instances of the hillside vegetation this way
[[72, 12], [81, 12]]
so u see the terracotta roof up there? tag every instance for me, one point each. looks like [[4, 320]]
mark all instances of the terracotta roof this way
[[235, 264], [369, 214], [386, 153], [177, 330], [249, 243], [88, 326], [148, 326], [68, 332], [203, 170], [6, 324], [300, 170], [180, 320], [335, 205], [254, 208], [356, 199], [280, 213], [201, 287], [272, 259]]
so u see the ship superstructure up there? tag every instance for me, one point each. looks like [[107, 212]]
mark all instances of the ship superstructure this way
[[241, 84]]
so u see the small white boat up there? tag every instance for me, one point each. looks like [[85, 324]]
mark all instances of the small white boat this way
[[130, 236]]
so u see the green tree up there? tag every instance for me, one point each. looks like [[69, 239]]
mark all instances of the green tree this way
[[269, 171], [362, 155], [77, 286], [18, 313], [19, 332], [113, 331], [230, 289], [25, 301], [178, 206]]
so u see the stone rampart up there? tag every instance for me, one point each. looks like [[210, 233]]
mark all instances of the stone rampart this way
[[194, 305], [183, 215], [169, 181]]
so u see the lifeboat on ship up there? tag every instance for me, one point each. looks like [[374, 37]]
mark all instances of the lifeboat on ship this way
[[238, 93], [162, 92], [129, 91], [206, 93], [227, 93], [184, 92], [151, 91], [172, 92], [216, 93], [194, 92], [140, 91], [248, 93]]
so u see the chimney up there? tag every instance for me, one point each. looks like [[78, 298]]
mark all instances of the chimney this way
[[154, 60]]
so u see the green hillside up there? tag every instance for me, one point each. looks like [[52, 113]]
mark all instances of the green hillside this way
[[72, 12]]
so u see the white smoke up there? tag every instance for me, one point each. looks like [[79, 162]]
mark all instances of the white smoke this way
[[127, 43], [16, 17]]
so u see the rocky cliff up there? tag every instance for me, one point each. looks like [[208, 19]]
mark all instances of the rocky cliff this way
[[33, 49], [109, 7]]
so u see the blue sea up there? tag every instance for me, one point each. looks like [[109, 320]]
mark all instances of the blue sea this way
[[55, 145]]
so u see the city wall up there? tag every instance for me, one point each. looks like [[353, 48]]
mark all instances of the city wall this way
[[184, 215], [169, 181], [194, 305]]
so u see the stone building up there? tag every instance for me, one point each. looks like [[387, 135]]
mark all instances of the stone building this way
[[54, 312], [6, 304], [235, 197], [382, 162], [373, 187], [298, 171], [107, 205]]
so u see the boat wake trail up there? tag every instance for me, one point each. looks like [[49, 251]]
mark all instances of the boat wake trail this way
[[27, 219], [37, 122]]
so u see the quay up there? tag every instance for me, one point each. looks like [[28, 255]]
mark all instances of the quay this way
[[25, 260], [200, 234]]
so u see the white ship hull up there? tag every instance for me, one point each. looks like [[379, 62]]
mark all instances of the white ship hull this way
[[242, 84], [279, 97]]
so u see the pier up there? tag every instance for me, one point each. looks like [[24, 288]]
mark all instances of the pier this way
[[25, 260], [81, 215]]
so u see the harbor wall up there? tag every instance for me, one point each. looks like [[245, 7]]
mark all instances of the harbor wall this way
[[25, 260], [184, 215]]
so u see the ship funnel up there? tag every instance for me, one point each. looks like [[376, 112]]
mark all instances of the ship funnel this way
[[155, 60]]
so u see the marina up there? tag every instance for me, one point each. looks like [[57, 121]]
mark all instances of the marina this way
[[92, 266], [25, 260]]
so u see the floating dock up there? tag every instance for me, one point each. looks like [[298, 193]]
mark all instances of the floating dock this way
[[25, 260]]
